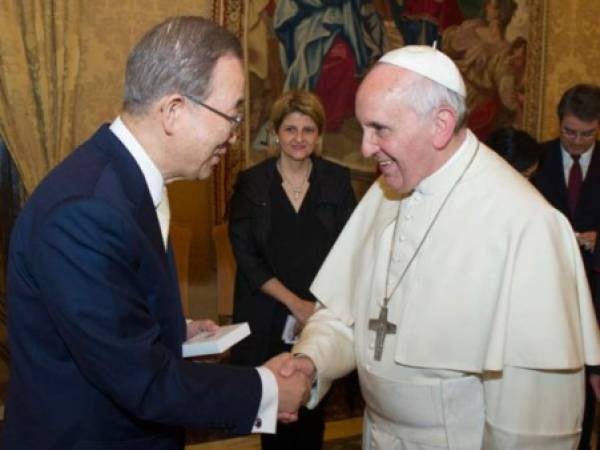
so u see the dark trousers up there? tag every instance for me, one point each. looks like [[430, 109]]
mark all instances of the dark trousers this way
[[305, 434]]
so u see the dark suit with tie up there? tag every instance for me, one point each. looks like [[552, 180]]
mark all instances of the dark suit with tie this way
[[95, 320], [550, 180]]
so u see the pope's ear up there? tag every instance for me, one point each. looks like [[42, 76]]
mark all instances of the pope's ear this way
[[171, 110], [444, 123]]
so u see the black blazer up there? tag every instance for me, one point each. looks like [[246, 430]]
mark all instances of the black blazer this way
[[550, 181], [249, 226], [95, 320]]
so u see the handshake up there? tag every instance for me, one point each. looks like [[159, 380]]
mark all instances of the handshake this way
[[294, 375]]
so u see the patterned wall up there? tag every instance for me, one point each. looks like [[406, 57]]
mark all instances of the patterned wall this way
[[109, 30], [572, 54]]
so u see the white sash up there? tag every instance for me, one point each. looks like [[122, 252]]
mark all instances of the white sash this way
[[425, 413]]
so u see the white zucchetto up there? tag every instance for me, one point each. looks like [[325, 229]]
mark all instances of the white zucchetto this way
[[428, 62]]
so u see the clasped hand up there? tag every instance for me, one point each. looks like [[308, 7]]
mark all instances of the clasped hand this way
[[294, 375]]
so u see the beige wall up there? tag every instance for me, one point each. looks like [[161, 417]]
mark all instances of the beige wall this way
[[572, 54]]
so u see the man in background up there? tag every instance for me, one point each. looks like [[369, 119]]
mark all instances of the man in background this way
[[456, 290], [94, 314], [569, 178]]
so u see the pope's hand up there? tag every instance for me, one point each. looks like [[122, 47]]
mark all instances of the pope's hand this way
[[294, 389]]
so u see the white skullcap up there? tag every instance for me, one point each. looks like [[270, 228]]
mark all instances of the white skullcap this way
[[428, 62]]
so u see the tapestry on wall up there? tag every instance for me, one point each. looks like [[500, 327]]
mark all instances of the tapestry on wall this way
[[228, 13], [327, 48]]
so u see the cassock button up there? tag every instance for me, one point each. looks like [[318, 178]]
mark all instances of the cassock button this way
[[401, 238], [408, 217], [258, 422], [371, 345]]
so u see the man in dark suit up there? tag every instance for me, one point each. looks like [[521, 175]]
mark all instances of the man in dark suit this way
[[569, 178], [579, 116], [95, 319]]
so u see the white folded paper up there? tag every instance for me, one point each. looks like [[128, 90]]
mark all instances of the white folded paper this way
[[212, 342], [289, 335]]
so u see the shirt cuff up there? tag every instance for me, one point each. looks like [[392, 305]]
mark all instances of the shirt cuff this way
[[266, 418]]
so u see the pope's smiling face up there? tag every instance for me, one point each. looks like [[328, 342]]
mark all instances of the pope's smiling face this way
[[393, 134]]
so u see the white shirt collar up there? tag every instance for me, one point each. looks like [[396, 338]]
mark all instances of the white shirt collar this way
[[152, 175], [585, 156], [584, 160]]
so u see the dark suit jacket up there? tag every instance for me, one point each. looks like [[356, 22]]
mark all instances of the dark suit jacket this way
[[550, 180], [249, 226], [95, 320]]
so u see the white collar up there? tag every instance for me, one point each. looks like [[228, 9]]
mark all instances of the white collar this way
[[585, 158], [152, 175]]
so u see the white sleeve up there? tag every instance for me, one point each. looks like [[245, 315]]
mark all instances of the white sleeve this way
[[266, 418], [329, 343], [533, 409]]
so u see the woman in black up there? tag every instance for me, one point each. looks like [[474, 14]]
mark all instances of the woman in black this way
[[286, 213]]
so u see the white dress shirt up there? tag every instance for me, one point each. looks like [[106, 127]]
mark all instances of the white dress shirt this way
[[584, 162]]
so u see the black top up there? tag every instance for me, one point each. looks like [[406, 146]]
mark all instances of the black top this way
[[299, 242], [269, 239]]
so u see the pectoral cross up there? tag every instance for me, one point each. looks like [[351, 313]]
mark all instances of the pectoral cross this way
[[382, 328]]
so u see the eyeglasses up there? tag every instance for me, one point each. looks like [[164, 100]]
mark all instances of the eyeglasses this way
[[235, 121], [573, 134]]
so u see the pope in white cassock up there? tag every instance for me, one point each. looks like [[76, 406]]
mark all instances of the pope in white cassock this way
[[455, 289]]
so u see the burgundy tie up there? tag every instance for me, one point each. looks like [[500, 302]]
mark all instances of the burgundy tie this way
[[575, 181]]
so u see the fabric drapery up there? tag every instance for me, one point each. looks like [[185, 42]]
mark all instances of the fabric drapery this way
[[39, 64], [575, 182]]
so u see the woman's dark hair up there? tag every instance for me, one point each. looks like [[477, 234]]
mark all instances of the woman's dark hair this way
[[517, 147]]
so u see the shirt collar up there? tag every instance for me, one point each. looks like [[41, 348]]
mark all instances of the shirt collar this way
[[152, 175], [453, 168], [585, 158]]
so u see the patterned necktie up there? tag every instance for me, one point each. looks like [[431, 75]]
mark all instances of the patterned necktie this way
[[575, 181], [163, 213]]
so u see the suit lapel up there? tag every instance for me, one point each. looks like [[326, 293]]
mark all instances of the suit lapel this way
[[135, 188], [593, 170], [558, 182]]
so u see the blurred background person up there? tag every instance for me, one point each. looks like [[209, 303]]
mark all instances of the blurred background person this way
[[569, 177], [286, 213], [518, 148]]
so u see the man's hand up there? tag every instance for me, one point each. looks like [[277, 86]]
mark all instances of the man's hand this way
[[595, 383], [587, 240], [297, 364], [196, 326], [294, 388]]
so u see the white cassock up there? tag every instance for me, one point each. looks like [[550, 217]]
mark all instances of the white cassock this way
[[494, 317]]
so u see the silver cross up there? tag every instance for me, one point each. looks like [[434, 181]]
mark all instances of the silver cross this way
[[382, 328]]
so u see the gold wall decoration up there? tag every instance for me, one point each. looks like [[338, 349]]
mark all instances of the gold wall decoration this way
[[571, 55], [534, 73], [230, 14]]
